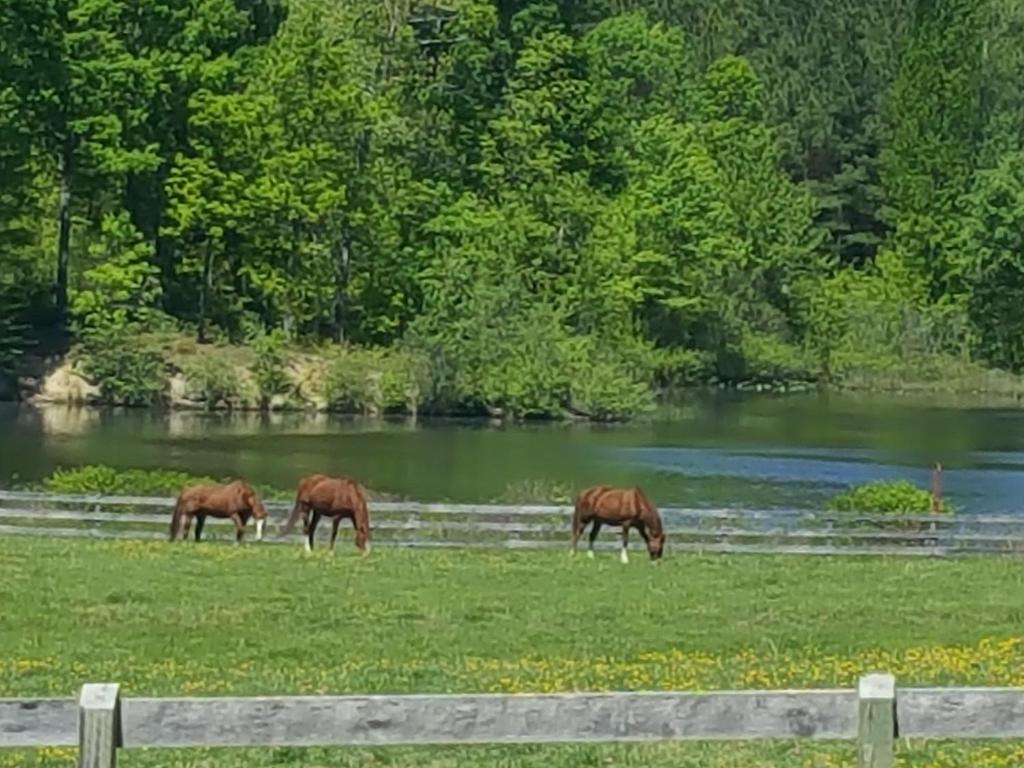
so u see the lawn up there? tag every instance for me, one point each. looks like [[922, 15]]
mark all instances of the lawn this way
[[214, 619]]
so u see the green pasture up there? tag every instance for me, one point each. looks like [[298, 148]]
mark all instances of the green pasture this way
[[214, 619]]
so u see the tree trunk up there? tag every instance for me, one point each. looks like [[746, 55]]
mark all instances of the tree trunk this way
[[204, 294], [66, 165], [341, 287]]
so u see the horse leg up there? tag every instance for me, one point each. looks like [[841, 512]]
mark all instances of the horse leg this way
[[335, 522], [200, 521], [311, 530], [623, 555], [239, 528], [185, 527], [594, 530]]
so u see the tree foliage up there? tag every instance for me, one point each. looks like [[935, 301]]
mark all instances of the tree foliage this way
[[553, 205]]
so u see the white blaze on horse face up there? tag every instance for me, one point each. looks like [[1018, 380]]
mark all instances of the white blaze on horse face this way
[[259, 529], [623, 556]]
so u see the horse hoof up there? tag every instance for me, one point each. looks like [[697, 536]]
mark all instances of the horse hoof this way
[[590, 554]]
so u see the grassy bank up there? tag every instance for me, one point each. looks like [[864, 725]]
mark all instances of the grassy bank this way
[[159, 618], [171, 370]]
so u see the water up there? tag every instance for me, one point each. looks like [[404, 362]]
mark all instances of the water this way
[[712, 450]]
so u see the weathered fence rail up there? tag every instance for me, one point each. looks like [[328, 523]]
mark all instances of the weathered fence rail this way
[[417, 524], [875, 715]]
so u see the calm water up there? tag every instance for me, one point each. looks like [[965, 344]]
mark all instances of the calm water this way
[[712, 450]]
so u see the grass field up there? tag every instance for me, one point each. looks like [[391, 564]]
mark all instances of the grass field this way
[[214, 619]]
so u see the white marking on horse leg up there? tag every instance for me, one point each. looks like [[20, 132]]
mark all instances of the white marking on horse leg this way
[[623, 556], [259, 529], [366, 552], [307, 546], [590, 554]]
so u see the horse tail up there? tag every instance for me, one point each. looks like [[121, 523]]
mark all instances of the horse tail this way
[[579, 508], [364, 508], [293, 518], [361, 510], [179, 504]]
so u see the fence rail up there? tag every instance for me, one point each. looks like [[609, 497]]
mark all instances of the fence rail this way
[[875, 715], [418, 524]]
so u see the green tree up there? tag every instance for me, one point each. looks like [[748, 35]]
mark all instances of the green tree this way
[[991, 264]]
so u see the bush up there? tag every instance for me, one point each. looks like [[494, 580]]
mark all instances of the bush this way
[[110, 480], [610, 382], [899, 498], [373, 381], [214, 379], [525, 361], [536, 492], [269, 368], [127, 367], [135, 482]]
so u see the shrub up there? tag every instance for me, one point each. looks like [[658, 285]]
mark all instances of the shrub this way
[[536, 492], [126, 366], [268, 370], [525, 361], [373, 381], [140, 482], [891, 497], [610, 382], [111, 480], [213, 379]]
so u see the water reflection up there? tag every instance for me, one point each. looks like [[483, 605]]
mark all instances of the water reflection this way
[[718, 449]]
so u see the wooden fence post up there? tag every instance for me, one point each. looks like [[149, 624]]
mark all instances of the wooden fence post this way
[[876, 729], [99, 725]]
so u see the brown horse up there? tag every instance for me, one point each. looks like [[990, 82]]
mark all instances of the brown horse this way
[[236, 500], [625, 507], [334, 497]]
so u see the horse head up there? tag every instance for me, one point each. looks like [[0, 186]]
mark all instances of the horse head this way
[[259, 512], [656, 544]]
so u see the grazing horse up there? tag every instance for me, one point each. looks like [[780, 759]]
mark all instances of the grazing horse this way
[[236, 500], [625, 507], [334, 497]]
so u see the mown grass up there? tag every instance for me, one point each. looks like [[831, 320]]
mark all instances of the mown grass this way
[[214, 619]]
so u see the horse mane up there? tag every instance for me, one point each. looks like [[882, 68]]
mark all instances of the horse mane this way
[[648, 511]]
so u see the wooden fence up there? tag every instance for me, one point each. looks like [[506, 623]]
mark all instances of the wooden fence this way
[[875, 715], [416, 524]]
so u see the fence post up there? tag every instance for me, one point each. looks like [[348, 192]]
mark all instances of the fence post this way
[[876, 730], [99, 725]]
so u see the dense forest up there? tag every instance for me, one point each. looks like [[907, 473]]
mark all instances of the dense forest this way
[[515, 205]]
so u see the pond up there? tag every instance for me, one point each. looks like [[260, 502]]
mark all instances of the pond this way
[[710, 449]]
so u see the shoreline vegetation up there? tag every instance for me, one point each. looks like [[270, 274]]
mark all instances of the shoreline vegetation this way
[[173, 372], [518, 210]]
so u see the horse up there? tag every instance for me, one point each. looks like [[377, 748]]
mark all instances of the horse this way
[[625, 507], [334, 497], [236, 500]]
